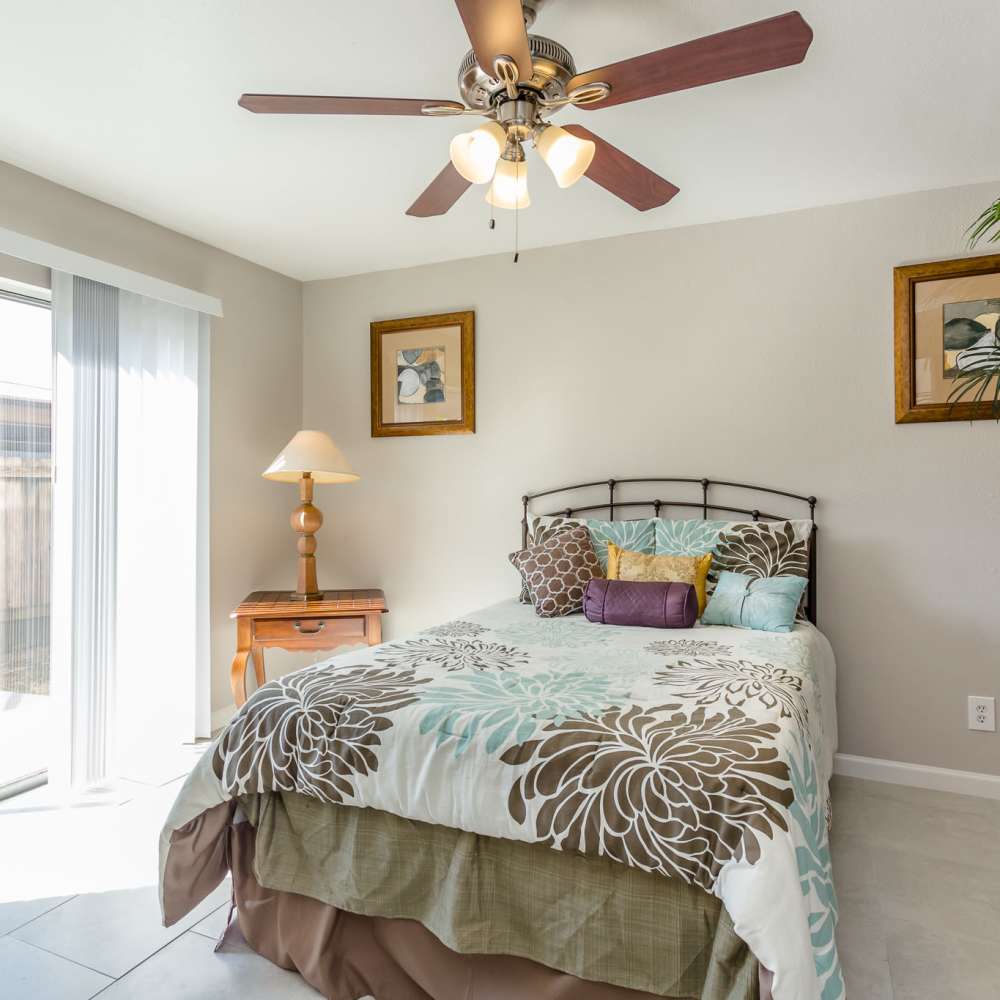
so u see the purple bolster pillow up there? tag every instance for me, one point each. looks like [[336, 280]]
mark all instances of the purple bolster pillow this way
[[635, 602]]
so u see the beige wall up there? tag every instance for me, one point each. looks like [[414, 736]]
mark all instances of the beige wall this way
[[759, 350], [256, 394]]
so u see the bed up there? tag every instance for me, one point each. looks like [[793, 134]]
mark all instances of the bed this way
[[509, 806]]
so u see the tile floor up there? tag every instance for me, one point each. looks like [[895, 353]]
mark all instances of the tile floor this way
[[918, 875]]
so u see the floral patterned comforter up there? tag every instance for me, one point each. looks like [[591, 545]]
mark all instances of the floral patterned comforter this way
[[700, 754]]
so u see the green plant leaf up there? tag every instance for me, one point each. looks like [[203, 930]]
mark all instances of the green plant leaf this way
[[966, 383], [989, 220]]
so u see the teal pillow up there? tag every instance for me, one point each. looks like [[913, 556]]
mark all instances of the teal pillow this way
[[767, 604]]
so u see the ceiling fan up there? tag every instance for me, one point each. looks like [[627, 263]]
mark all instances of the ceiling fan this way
[[518, 80]]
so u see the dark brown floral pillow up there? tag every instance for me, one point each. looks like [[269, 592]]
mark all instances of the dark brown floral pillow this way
[[557, 571], [763, 549]]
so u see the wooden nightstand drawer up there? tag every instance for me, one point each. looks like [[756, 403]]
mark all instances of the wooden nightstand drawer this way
[[274, 618], [310, 628]]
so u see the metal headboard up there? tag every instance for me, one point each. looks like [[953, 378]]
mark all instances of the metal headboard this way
[[611, 505]]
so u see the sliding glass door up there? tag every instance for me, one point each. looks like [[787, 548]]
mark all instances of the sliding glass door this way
[[25, 538]]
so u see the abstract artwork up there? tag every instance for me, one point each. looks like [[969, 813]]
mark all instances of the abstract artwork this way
[[420, 375], [969, 334], [946, 329], [423, 375]]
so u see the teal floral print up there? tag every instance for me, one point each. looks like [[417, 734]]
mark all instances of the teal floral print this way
[[687, 538], [626, 663], [636, 536], [510, 706], [787, 648], [553, 633], [812, 855]]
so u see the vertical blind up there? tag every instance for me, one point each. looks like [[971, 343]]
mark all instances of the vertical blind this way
[[95, 512]]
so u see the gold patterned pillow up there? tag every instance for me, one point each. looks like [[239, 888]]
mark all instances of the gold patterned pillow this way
[[557, 571], [625, 565]]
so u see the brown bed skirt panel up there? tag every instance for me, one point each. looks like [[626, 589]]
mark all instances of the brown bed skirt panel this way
[[347, 956], [198, 861]]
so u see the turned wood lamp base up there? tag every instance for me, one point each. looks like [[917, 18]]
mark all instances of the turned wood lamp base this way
[[306, 520], [309, 458]]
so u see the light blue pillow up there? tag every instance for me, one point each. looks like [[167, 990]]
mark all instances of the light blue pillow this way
[[768, 604]]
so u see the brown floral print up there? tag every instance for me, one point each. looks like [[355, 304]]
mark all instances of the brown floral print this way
[[663, 789]]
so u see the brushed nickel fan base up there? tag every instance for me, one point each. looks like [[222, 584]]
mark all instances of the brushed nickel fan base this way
[[553, 67]]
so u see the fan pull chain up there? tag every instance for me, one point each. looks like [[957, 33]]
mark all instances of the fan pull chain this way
[[493, 221], [517, 201]]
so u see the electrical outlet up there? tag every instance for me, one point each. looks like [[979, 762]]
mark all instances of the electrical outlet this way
[[982, 714]]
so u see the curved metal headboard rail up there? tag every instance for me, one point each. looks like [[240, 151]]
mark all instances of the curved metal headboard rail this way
[[612, 504]]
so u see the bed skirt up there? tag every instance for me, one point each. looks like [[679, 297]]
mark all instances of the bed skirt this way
[[391, 909], [346, 956]]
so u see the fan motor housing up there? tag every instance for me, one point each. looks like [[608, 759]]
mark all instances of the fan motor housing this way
[[553, 69]]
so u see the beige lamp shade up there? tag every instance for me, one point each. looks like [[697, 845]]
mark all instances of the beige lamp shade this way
[[313, 452]]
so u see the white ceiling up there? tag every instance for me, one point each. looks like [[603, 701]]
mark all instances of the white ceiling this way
[[134, 103]]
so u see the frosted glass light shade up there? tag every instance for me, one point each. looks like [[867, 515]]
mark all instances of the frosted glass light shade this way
[[475, 154], [566, 156], [510, 186], [313, 452]]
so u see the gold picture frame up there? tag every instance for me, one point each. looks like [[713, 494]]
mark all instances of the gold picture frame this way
[[940, 308], [424, 375]]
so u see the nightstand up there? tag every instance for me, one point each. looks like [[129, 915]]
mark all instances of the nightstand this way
[[273, 618]]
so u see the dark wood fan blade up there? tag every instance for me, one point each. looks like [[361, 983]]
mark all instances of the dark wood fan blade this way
[[624, 177], [496, 28], [440, 194], [753, 48], [292, 104]]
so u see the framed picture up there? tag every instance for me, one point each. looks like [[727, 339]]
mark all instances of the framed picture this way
[[424, 375], [946, 314]]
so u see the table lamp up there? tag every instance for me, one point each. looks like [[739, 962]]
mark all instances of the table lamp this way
[[310, 457]]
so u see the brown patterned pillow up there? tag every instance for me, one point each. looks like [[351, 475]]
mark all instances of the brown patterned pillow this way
[[541, 529], [557, 571]]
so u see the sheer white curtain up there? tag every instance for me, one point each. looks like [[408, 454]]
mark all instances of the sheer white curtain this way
[[162, 609], [130, 531]]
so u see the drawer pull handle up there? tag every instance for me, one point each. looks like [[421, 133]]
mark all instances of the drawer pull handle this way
[[308, 631]]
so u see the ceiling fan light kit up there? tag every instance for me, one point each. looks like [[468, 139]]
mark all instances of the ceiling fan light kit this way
[[519, 80], [566, 156], [475, 154], [510, 185]]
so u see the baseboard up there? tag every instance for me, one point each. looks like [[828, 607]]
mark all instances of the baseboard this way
[[939, 779], [221, 717]]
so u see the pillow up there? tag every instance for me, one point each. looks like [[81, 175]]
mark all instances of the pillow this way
[[557, 571], [639, 536], [758, 549], [625, 565], [541, 529], [649, 603], [768, 604]]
